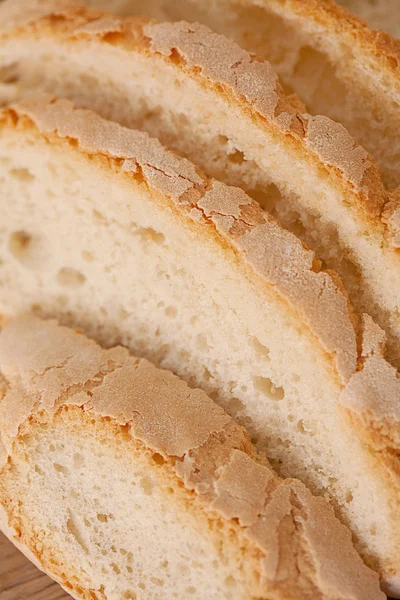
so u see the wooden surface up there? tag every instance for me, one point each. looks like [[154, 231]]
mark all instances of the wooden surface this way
[[20, 580]]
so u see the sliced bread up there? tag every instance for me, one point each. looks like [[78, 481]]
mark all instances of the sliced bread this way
[[122, 482], [231, 118], [329, 57], [379, 14], [104, 229]]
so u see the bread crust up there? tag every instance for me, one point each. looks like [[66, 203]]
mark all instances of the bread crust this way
[[379, 46], [236, 219], [192, 48], [299, 546], [275, 257], [270, 255]]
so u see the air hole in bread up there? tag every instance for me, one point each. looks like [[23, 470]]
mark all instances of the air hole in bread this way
[[158, 458], [268, 388], [98, 216], [307, 427], [267, 197], [102, 518], [116, 568], [9, 73], [146, 485], [20, 244], [207, 376], [74, 528], [261, 349], [22, 174], [69, 277], [234, 406], [150, 235], [298, 228], [28, 249], [61, 469], [237, 157]]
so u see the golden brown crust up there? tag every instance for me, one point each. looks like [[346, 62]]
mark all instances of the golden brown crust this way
[[378, 46], [304, 550], [273, 254], [192, 48]]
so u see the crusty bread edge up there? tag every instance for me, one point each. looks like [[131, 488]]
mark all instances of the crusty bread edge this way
[[238, 223], [352, 169], [207, 451], [380, 47]]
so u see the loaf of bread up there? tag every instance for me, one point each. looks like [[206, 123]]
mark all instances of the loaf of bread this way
[[122, 482], [329, 57], [106, 230], [232, 119]]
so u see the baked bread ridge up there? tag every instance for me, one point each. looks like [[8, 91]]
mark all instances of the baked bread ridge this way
[[381, 14], [235, 216], [262, 95], [365, 248], [48, 368], [237, 221], [324, 39]]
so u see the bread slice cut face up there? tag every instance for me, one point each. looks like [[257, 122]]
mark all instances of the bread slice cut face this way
[[326, 55], [233, 120], [123, 482], [106, 230]]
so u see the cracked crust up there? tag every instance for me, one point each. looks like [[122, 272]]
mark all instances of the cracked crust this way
[[246, 80], [374, 408], [301, 545], [272, 255]]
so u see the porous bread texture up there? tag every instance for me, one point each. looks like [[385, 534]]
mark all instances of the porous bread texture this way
[[379, 14], [331, 59], [243, 130], [153, 489], [193, 275]]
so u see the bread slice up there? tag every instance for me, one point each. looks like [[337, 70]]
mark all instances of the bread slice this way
[[106, 230], [123, 482], [232, 118], [379, 14], [329, 57]]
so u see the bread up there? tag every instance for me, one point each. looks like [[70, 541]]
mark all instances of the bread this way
[[196, 277], [379, 14], [235, 123], [123, 483], [330, 58]]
